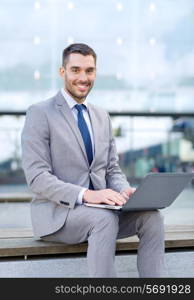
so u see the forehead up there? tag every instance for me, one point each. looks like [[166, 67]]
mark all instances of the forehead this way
[[79, 60]]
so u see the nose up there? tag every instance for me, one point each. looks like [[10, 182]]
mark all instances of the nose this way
[[83, 76]]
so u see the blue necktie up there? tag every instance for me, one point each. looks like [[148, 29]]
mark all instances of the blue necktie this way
[[84, 132], [85, 135]]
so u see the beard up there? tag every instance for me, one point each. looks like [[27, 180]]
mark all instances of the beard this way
[[78, 94]]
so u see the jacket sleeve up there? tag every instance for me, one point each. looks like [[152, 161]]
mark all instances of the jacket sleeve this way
[[115, 178], [37, 164]]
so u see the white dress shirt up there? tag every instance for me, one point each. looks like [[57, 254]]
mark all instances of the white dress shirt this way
[[71, 102]]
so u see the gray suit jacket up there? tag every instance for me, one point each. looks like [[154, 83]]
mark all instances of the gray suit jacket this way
[[55, 161]]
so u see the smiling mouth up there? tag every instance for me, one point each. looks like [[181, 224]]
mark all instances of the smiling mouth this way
[[83, 87]]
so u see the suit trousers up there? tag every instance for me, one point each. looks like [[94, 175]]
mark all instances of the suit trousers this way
[[102, 227]]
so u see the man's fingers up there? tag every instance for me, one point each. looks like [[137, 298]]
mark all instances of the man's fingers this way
[[111, 197], [107, 201], [128, 192], [125, 195], [116, 197], [119, 199]]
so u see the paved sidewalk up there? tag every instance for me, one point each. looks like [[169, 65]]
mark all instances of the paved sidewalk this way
[[180, 264]]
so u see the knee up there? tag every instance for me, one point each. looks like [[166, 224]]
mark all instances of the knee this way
[[106, 220], [153, 222]]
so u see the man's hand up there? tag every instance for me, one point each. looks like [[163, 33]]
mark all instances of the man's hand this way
[[128, 192], [106, 196]]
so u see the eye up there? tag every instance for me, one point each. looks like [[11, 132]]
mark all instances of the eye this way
[[75, 70], [90, 71]]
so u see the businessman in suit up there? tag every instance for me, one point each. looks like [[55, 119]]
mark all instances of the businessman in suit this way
[[69, 157]]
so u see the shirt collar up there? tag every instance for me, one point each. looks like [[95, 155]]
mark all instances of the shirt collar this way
[[70, 101]]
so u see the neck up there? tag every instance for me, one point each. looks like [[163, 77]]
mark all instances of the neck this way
[[78, 100]]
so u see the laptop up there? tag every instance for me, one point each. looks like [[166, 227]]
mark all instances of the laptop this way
[[156, 191]]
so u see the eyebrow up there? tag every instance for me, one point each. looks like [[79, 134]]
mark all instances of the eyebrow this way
[[77, 67]]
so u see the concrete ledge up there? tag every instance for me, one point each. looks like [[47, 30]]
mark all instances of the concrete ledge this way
[[15, 197], [20, 242]]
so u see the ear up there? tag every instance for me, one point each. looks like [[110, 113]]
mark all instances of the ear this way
[[62, 71]]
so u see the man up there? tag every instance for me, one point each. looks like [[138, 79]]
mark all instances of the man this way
[[69, 157]]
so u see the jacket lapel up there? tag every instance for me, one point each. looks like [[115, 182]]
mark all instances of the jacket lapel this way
[[67, 113]]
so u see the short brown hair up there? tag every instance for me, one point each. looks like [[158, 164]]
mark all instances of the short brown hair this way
[[77, 48]]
